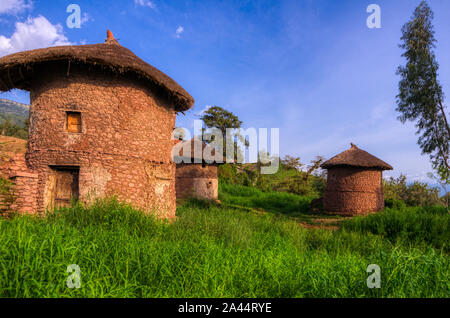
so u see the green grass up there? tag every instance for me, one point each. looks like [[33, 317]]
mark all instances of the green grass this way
[[281, 203], [209, 251], [427, 226]]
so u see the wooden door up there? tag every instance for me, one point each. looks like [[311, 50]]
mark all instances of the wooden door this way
[[66, 187]]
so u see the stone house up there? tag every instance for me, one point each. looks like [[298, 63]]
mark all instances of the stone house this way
[[196, 176], [101, 121], [354, 183]]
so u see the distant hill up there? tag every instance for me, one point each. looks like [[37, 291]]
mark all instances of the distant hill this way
[[16, 112]]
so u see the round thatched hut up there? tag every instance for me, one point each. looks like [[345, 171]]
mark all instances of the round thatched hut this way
[[195, 175], [101, 121], [354, 184]]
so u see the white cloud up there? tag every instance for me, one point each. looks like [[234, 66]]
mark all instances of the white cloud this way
[[14, 6], [86, 18], [34, 33], [178, 32], [200, 113], [145, 3]]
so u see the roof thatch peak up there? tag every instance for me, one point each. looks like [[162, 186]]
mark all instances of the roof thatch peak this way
[[355, 157], [110, 39]]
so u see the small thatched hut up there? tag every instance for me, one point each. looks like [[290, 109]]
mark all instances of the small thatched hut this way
[[195, 176], [354, 184], [101, 122]]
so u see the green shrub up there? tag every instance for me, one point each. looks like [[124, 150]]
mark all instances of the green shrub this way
[[394, 204], [413, 194]]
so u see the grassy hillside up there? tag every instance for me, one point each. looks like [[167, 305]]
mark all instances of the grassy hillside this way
[[275, 202], [14, 119], [16, 112], [220, 251], [284, 180]]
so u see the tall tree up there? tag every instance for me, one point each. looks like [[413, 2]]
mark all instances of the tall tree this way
[[420, 97], [218, 118]]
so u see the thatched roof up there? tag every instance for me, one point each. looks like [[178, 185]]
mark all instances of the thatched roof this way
[[16, 70], [355, 157]]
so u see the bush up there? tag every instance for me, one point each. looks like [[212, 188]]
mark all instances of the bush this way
[[394, 204], [285, 180], [414, 194]]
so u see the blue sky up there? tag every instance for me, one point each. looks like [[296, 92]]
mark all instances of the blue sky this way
[[309, 67]]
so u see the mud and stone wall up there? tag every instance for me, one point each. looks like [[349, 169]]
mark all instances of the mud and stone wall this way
[[352, 191], [195, 180], [24, 181], [124, 146]]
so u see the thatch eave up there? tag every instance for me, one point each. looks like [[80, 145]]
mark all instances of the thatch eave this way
[[358, 158], [17, 70]]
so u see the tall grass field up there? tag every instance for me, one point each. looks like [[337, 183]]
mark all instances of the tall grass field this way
[[227, 250]]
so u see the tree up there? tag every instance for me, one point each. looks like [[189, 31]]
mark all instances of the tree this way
[[314, 166], [420, 97], [292, 162], [413, 194], [218, 118], [443, 186], [8, 128]]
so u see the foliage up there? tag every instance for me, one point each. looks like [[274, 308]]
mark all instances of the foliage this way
[[292, 162], [218, 120], [394, 204], [420, 97], [414, 194], [209, 251], [444, 187], [301, 184], [284, 180], [7, 128]]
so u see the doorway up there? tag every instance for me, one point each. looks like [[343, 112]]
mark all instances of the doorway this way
[[62, 186]]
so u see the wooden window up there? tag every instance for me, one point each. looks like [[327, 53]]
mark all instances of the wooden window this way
[[74, 122]]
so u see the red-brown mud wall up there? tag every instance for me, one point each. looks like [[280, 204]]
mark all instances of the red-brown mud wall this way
[[353, 191], [124, 147]]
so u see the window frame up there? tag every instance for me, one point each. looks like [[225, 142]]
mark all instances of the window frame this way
[[70, 113]]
